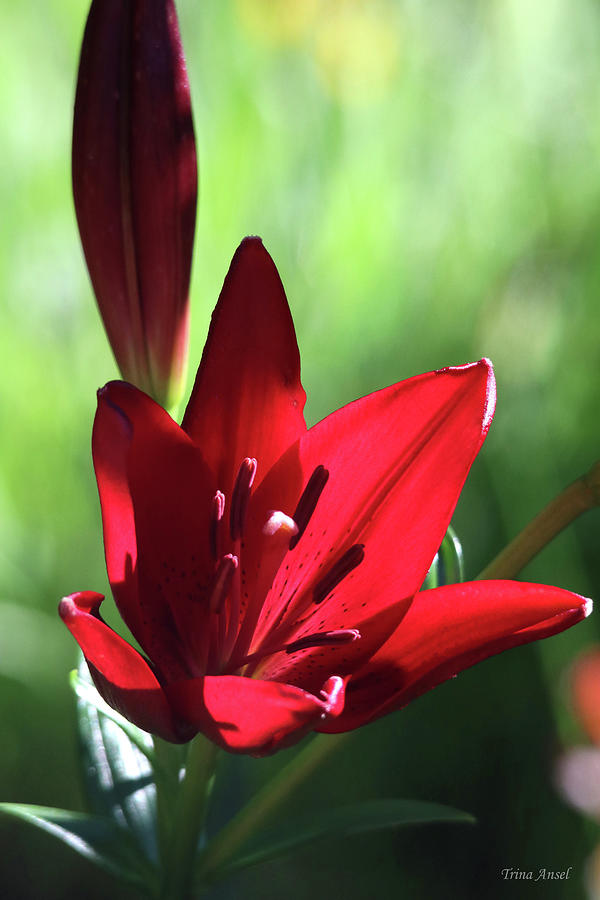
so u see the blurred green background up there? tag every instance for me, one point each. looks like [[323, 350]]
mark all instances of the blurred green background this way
[[427, 178]]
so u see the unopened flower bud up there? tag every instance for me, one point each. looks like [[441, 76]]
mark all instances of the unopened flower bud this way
[[134, 185]]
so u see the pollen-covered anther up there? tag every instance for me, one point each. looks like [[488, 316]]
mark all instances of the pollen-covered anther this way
[[279, 523], [221, 582], [216, 515], [324, 639], [308, 502], [345, 564], [240, 497]]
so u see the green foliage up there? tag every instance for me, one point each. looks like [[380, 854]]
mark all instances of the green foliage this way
[[448, 564], [118, 775], [340, 823], [94, 837]]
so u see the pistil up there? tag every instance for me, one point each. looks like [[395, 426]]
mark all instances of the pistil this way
[[221, 582], [279, 522], [278, 528]]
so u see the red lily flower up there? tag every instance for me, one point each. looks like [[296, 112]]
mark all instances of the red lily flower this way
[[134, 186], [271, 573]]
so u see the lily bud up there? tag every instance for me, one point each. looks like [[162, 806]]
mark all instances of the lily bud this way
[[135, 185]]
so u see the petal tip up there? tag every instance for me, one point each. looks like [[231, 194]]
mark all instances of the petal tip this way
[[252, 252], [104, 393], [588, 607], [484, 367], [490, 394], [65, 607], [251, 247], [112, 398], [86, 601], [333, 695], [489, 408]]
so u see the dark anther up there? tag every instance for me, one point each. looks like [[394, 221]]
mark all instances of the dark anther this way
[[239, 498], [350, 560], [324, 639], [308, 502]]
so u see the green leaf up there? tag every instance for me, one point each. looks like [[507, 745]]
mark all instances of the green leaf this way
[[360, 818], [85, 691], [448, 565], [451, 558], [118, 775], [94, 837]]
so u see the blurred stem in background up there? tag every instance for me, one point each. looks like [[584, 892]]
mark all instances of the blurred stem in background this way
[[579, 497], [267, 801]]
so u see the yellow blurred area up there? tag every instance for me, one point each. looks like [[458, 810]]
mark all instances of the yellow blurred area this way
[[277, 21], [356, 49], [354, 44]]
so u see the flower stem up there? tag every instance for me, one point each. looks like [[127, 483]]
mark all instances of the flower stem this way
[[265, 802], [169, 761], [580, 496], [188, 818]]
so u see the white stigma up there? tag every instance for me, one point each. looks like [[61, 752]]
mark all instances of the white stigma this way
[[278, 522]]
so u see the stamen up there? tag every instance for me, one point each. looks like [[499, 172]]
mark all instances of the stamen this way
[[324, 639], [216, 515], [221, 582], [308, 501], [350, 560], [279, 522], [240, 496]]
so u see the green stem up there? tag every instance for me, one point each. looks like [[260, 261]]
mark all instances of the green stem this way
[[265, 802], [166, 776], [188, 818], [577, 498]]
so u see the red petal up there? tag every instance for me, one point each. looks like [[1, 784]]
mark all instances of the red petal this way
[[156, 493], [397, 461], [449, 629], [121, 675], [245, 715], [110, 442], [247, 400], [585, 692]]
